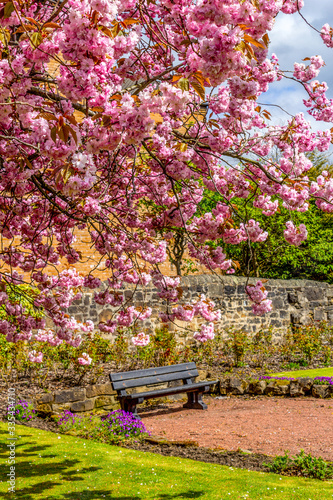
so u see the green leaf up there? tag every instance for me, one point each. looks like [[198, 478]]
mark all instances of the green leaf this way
[[9, 8], [35, 39], [183, 84]]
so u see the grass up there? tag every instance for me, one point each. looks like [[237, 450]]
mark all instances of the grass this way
[[53, 467], [316, 372]]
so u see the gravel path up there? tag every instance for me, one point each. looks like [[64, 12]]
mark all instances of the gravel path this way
[[260, 425]]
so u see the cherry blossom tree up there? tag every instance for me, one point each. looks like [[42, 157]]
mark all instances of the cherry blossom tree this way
[[115, 116]]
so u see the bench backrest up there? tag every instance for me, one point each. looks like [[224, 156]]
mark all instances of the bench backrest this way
[[138, 378]]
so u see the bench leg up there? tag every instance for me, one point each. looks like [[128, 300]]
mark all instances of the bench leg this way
[[194, 401], [130, 407]]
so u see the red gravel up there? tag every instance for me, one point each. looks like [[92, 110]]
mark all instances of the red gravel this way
[[261, 425]]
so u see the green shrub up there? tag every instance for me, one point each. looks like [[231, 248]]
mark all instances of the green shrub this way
[[237, 345], [302, 464]]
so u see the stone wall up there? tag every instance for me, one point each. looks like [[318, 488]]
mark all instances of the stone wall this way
[[294, 301]]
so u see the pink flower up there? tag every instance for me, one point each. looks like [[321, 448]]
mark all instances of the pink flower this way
[[327, 35], [262, 308], [35, 357], [295, 236], [85, 359], [257, 292], [141, 339], [258, 295], [206, 333]]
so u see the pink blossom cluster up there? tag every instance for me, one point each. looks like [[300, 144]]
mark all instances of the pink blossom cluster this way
[[35, 357], [265, 202], [295, 235], [254, 231], [48, 336], [84, 359], [206, 333], [168, 287], [141, 340], [327, 35], [292, 6], [117, 120], [322, 190], [258, 295], [305, 73]]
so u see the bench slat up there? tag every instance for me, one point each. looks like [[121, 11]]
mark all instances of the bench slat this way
[[161, 370], [155, 379], [171, 390]]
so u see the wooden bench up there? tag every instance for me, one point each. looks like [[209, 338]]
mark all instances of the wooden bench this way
[[184, 372]]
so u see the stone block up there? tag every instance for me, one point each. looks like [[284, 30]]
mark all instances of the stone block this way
[[102, 401], [99, 390], [45, 398], [59, 408], [111, 407], [276, 323], [223, 386], [44, 408], [73, 310], [274, 388], [277, 303], [282, 390], [237, 386], [86, 405], [75, 394], [229, 290], [292, 298], [295, 389], [306, 384], [203, 374], [315, 293], [270, 388], [105, 315], [320, 391]]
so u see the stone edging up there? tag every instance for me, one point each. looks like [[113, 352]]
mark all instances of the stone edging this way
[[78, 399], [273, 387]]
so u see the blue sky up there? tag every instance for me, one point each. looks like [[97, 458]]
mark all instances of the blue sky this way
[[292, 40]]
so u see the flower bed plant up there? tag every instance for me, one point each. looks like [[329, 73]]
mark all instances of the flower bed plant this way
[[24, 411], [115, 427]]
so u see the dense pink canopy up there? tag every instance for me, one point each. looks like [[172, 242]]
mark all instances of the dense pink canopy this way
[[115, 116]]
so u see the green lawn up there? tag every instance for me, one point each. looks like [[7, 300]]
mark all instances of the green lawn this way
[[317, 372], [51, 466]]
